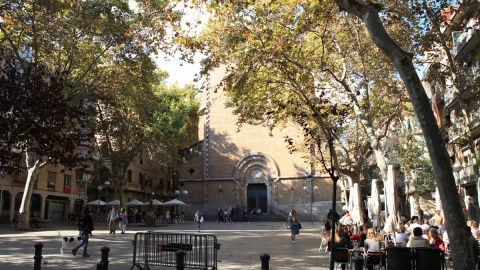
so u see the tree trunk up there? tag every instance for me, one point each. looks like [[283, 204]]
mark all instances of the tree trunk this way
[[24, 211], [462, 254]]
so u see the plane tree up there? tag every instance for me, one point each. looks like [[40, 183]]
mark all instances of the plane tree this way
[[263, 45], [66, 45], [371, 13]]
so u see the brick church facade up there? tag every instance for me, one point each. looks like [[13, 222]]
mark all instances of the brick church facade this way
[[248, 167]]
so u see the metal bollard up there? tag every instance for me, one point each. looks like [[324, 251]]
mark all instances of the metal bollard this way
[[265, 261], [99, 266], [180, 259], [104, 260], [357, 263], [37, 265]]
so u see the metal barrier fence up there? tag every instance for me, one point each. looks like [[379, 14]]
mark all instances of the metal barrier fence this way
[[157, 248]]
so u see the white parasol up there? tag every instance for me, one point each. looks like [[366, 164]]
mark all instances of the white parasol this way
[[174, 202], [392, 222], [134, 202], [154, 202], [96, 202], [376, 208], [114, 202], [438, 203]]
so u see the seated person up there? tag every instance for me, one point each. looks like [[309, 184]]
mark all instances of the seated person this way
[[401, 236], [417, 240], [435, 241], [340, 240], [357, 237], [372, 242], [33, 221], [259, 211]]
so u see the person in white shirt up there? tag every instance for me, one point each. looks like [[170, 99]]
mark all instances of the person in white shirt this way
[[401, 236], [346, 219]]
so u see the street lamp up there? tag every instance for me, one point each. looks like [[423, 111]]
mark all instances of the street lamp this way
[[107, 185], [407, 182], [457, 167], [3, 173], [310, 190]]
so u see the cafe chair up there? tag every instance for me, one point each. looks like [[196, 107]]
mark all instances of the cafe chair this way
[[340, 257], [399, 258], [429, 258], [373, 258]]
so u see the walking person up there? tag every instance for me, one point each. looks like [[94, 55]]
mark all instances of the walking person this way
[[112, 220], [294, 225], [199, 219], [85, 226], [123, 220]]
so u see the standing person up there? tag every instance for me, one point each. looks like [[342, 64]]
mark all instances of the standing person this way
[[167, 216], [245, 216], [294, 226], [112, 220], [123, 220], [85, 226], [198, 218]]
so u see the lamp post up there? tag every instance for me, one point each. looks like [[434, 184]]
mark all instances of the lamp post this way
[[107, 185], [3, 173], [407, 182], [310, 190], [179, 193]]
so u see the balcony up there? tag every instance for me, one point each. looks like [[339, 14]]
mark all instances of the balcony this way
[[456, 130], [450, 96], [467, 180], [466, 40], [475, 118], [133, 187]]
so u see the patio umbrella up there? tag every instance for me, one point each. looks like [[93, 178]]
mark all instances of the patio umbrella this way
[[392, 222], [438, 203], [174, 202], [114, 202], [134, 202], [96, 202], [375, 207], [154, 202]]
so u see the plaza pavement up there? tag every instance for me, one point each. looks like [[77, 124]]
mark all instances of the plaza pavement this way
[[241, 245]]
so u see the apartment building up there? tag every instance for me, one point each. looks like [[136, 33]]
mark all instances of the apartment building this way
[[455, 99]]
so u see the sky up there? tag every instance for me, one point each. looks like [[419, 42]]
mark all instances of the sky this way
[[179, 71]]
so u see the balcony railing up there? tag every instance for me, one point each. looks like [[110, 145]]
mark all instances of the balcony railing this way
[[461, 38], [475, 118], [450, 96], [456, 130]]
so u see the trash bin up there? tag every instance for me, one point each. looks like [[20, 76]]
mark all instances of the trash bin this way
[[357, 263]]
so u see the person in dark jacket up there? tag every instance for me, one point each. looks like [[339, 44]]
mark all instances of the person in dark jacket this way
[[85, 226]]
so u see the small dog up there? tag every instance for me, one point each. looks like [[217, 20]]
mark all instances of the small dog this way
[[69, 242]]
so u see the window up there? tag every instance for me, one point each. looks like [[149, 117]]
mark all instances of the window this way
[[141, 158], [52, 178], [67, 183], [141, 178], [256, 173], [129, 175]]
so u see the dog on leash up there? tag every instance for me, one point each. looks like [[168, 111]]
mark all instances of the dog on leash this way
[[69, 242]]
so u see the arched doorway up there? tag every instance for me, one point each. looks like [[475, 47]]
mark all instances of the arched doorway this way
[[257, 190]]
